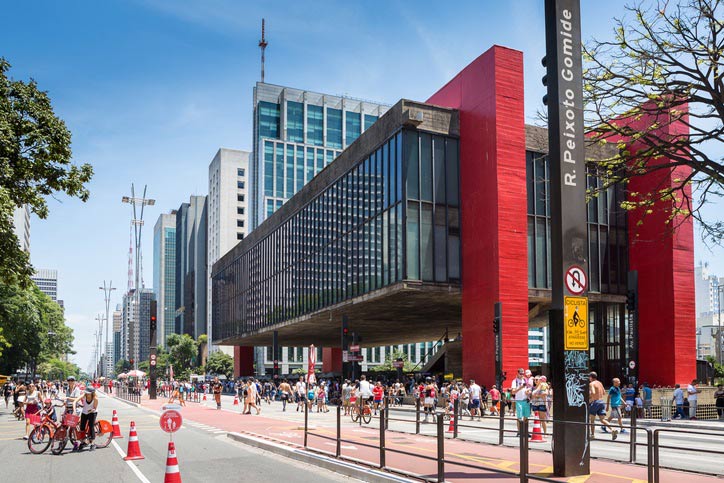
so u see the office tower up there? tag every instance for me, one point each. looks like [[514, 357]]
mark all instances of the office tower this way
[[191, 276], [164, 275]]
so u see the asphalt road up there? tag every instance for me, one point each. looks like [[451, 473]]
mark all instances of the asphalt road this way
[[204, 454]]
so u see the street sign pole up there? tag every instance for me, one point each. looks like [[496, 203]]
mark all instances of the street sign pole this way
[[632, 304], [275, 357], [152, 351], [498, 331], [569, 267]]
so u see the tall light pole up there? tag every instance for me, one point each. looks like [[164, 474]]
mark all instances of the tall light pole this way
[[137, 223], [107, 297], [718, 345]]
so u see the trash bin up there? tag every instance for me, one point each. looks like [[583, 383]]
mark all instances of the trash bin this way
[[666, 408]]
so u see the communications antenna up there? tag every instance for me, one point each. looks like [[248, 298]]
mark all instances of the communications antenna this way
[[262, 45]]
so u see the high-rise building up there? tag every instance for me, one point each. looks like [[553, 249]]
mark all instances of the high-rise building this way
[[296, 134], [117, 325], [191, 275], [537, 346], [135, 327], [164, 274], [707, 290], [21, 222], [47, 282], [228, 212]]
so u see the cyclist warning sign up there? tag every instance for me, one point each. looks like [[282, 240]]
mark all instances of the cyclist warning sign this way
[[575, 317]]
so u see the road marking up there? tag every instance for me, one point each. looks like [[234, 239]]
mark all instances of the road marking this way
[[133, 467], [344, 446]]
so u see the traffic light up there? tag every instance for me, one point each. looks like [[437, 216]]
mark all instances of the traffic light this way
[[345, 332], [544, 80], [152, 310], [631, 301]]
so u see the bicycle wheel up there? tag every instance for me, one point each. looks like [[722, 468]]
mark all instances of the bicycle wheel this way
[[39, 439], [102, 439], [58, 443], [354, 414], [367, 416]]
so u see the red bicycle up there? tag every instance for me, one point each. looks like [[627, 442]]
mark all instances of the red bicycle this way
[[42, 433], [69, 431]]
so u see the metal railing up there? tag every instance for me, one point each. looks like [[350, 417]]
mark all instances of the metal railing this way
[[131, 394], [652, 442]]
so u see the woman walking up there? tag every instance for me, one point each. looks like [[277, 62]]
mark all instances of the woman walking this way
[[32, 406]]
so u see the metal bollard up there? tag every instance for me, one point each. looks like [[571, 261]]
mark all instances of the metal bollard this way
[[306, 422], [440, 450], [523, 425], [632, 443], [501, 427], [382, 439], [417, 416], [338, 449], [456, 410]]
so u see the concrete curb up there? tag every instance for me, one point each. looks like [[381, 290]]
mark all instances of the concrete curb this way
[[705, 425], [347, 469]]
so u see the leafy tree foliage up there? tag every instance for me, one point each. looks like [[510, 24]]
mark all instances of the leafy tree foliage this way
[[664, 69], [122, 366], [35, 162], [183, 353], [34, 327], [388, 366], [56, 369], [220, 363]]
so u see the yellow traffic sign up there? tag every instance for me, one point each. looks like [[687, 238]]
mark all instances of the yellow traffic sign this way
[[575, 323]]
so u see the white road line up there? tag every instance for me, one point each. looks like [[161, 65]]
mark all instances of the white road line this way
[[134, 468]]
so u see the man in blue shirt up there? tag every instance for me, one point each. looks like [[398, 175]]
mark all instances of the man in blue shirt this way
[[629, 394], [614, 402], [648, 399], [679, 401]]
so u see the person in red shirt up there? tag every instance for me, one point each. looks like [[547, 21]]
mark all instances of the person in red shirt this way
[[494, 400], [378, 393]]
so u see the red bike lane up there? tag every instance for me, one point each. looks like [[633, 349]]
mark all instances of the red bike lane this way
[[418, 451]]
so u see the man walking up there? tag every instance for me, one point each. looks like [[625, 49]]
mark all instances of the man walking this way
[[692, 390], [614, 402], [521, 393], [679, 401], [475, 393], [596, 406]]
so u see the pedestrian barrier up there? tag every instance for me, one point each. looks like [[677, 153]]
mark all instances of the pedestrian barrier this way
[[131, 394], [665, 409]]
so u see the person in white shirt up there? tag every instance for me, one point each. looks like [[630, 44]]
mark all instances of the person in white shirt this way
[[475, 392], [301, 389], [692, 392], [520, 391], [365, 388]]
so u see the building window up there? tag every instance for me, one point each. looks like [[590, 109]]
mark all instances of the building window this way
[[295, 122], [334, 128], [239, 236], [353, 126], [240, 223], [240, 211], [369, 121], [268, 120], [240, 171], [268, 169], [240, 185], [315, 125], [240, 198]]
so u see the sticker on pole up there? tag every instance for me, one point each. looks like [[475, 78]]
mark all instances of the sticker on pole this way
[[575, 323], [632, 364], [575, 279], [170, 421]]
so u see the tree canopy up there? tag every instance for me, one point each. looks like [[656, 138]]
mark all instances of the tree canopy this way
[[662, 71], [34, 327], [183, 354], [35, 162], [220, 363]]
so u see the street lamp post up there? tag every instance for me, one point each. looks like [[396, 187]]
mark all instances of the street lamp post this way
[[137, 223], [107, 297], [718, 344]]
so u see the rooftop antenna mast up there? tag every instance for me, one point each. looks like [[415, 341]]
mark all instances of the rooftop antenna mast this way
[[262, 45]]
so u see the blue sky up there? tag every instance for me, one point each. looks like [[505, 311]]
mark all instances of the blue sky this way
[[152, 88]]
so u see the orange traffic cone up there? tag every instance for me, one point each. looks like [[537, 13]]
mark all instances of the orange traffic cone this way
[[236, 400], [204, 396], [537, 433], [172, 473], [451, 426], [134, 450], [116, 427]]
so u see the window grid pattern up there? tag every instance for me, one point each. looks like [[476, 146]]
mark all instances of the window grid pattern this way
[[344, 243]]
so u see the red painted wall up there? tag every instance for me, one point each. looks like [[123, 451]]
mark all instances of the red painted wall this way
[[665, 262], [331, 359], [489, 95], [243, 361]]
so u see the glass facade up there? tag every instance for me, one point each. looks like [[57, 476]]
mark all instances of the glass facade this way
[[334, 128], [315, 125], [349, 239], [353, 126], [295, 121], [268, 120], [370, 120]]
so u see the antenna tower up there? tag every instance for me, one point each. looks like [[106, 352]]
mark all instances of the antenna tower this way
[[262, 45]]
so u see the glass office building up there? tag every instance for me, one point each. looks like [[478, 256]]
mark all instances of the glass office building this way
[[296, 134], [388, 215]]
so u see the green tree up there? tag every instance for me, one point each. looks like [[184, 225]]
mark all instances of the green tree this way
[[33, 325], [183, 353], [388, 366], [35, 162], [122, 366], [665, 64], [58, 369], [220, 363]]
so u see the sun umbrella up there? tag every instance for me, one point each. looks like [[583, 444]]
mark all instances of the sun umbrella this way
[[136, 373], [311, 359], [122, 375]]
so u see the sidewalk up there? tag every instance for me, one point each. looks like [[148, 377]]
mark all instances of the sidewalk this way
[[362, 443]]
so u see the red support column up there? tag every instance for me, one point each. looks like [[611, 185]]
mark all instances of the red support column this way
[[243, 361], [665, 262], [489, 95], [331, 359]]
